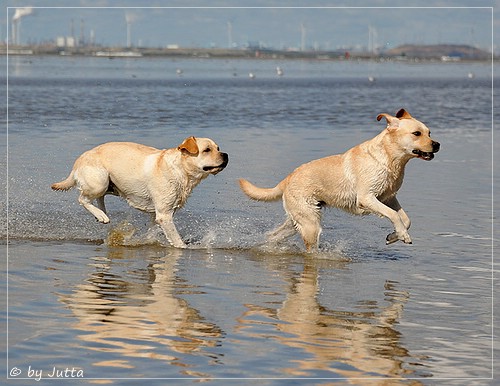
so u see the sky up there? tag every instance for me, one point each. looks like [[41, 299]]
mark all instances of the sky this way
[[321, 24]]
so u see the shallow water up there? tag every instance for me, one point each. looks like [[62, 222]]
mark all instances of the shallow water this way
[[114, 301]]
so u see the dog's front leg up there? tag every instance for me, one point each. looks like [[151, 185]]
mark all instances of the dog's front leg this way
[[369, 201], [166, 221], [393, 203]]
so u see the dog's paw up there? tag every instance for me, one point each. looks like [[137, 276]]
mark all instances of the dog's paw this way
[[180, 245], [391, 238], [395, 236], [102, 218]]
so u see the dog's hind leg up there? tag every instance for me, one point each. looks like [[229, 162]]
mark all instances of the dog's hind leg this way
[[93, 183], [284, 231], [100, 204], [309, 228], [86, 202], [306, 218]]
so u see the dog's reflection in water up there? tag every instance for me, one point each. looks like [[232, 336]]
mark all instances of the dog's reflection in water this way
[[137, 314]]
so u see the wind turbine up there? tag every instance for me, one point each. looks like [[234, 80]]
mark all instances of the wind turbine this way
[[129, 19]]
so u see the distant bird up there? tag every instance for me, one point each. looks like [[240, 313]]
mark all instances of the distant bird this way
[[279, 71], [371, 79], [179, 72], [471, 75], [251, 75]]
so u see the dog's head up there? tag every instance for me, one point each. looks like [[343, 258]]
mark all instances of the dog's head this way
[[203, 155], [411, 136]]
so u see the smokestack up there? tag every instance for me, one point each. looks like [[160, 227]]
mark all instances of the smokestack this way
[[20, 12], [16, 23], [81, 42], [229, 34]]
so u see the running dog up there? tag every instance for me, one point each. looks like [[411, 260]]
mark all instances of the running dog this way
[[363, 180], [149, 179]]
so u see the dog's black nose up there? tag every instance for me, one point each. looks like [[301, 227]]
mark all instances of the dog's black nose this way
[[435, 146], [225, 159]]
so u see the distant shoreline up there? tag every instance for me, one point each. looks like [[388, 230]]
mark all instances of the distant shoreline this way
[[444, 53]]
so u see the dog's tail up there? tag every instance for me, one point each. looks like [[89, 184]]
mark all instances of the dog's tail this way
[[67, 184], [261, 194]]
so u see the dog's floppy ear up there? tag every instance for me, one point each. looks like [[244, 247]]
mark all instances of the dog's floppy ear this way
[[392, 122], [384, 115], [189, 145], [403, 114]]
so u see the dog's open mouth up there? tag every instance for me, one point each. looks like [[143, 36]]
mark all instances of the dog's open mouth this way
[[218, 168], [213, 168], [423, 154]]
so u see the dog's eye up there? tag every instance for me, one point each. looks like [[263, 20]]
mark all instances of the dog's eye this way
[[207, 150], [417, 133]]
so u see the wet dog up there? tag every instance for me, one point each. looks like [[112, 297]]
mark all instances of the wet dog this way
[[149, 179], [363, 180]]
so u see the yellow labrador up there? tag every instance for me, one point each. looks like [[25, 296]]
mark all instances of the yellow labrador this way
[[363, 180], [149, 179]]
